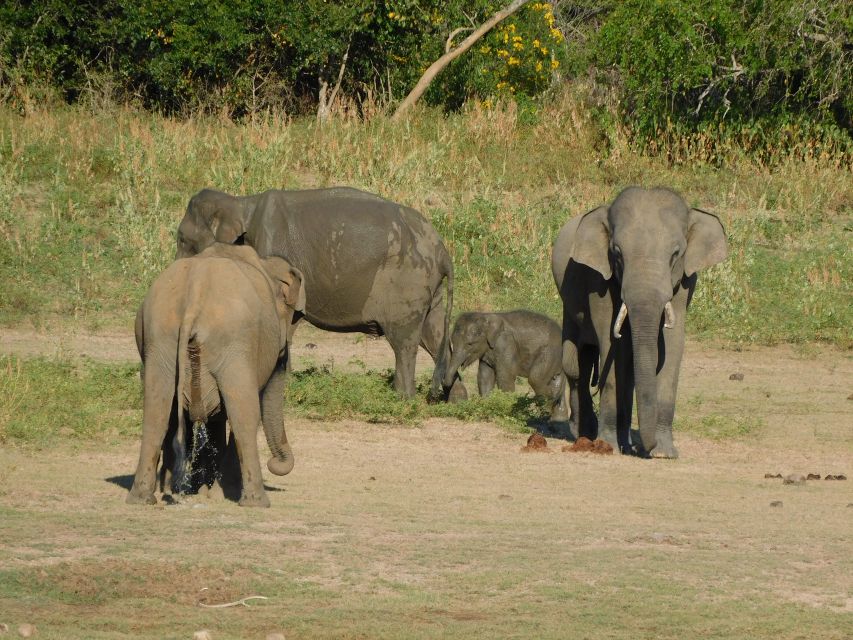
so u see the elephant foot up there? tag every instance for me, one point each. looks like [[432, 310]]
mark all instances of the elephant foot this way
[[609, 436], [135, 497], [664, 451], [664, 448], [255, 500]]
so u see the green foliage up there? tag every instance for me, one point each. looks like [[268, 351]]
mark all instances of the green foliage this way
[[720, 427], [49, 399], [693, 63]]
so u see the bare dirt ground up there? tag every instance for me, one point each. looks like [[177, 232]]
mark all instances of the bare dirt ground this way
[[449, 530]]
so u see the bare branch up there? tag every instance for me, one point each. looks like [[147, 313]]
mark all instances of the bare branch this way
[[436, 67], [449, 44]]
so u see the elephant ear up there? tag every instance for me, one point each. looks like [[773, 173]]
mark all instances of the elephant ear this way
[[591, 244], [226, 227], [494, 328], [288, 280], [706, 241]]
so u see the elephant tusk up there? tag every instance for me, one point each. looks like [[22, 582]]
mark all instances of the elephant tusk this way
[[670, 316], [620, 318]]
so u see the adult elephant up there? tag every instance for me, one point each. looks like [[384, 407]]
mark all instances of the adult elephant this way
[[370, 264], [630, 268]]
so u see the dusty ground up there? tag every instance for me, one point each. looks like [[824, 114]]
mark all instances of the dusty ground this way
[[448, 530]]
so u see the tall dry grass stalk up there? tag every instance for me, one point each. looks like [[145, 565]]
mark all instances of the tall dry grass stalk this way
[[91, 198]]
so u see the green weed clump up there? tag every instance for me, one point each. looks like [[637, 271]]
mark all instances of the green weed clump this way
[[719, 427], [49, 401], [321, 393]]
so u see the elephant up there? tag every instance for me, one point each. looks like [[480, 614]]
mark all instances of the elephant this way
[[511, 344], [371, 265], [213, 334], [631, 268]]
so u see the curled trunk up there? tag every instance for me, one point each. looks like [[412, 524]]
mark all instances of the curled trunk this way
[[272, 417]]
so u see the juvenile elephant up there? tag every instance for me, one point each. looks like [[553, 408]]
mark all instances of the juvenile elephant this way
[[213, 334], [511, 344], [371, 265], [629, 269]]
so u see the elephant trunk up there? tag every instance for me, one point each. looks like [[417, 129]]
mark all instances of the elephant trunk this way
[[457, 359], [272, 412], [645, 335]]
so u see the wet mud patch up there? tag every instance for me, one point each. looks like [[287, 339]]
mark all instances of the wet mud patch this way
[[100, 582]]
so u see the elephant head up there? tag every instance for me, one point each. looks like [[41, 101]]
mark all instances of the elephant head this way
[[473, 335], [650, 241], [289, 288], [212, 216]]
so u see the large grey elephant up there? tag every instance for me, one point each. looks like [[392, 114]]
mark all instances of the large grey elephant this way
[[371, 265], [213, 334], [507, 345], [626, 273]]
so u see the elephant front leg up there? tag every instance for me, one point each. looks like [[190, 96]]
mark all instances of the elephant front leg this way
[[667, 380], [485, 378], [239, 393], [159, 393], [608, 408]]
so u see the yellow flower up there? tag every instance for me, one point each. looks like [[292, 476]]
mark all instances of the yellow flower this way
[[544, 50], [500, 85], [557, 35], [485, 49], [503, 53], [518, 46], [512, 61], [506, 37], [391, 14], [516, 38], [555, 63], [539, 65], [536, 43]]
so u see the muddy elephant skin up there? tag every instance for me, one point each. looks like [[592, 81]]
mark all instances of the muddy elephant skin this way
[[370, 264], [626, 273], [213, 336], [508, 345]]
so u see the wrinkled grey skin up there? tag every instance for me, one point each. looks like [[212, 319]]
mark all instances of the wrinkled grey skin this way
[[507, 345], [644, 250], [371, 265], [213, 334]]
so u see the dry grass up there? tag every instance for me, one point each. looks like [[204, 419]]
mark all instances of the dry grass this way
[[89, 204]]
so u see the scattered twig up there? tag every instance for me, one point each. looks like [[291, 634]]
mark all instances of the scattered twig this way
[[224, 605]]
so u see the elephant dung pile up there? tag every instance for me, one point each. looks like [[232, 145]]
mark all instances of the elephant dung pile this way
[[585, 445], [536, 442]]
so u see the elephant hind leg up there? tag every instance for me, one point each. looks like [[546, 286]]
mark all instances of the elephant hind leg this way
[[158, 401], [404, 342], [432, 336]]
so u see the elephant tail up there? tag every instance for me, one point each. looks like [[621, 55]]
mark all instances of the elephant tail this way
[[443, 360], [189, 360]]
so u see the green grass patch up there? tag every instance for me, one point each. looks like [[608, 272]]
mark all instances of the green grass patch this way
[[47, 399], [322, 393], [720, 427]]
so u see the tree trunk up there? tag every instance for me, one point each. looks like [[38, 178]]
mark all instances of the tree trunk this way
[[436, 67]]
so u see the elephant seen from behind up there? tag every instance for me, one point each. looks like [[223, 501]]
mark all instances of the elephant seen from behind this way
[[507, 345], [626, 273], [213, 334]]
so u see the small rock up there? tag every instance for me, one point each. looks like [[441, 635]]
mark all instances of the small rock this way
[[310, 345], [204, 634], [813, 476], [4, 628], [506, 496], [776, 503], [794, 478], [736, 376], [772, 475], [275, 636], [830, 476], [372, 477], [26, 630], [199, 505], [849, 504], [850, 397]]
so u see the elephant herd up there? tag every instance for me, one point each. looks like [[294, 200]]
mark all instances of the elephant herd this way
[[214, 329]]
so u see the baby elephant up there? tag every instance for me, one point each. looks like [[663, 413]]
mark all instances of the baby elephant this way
[[510, 344], [213, 334]]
